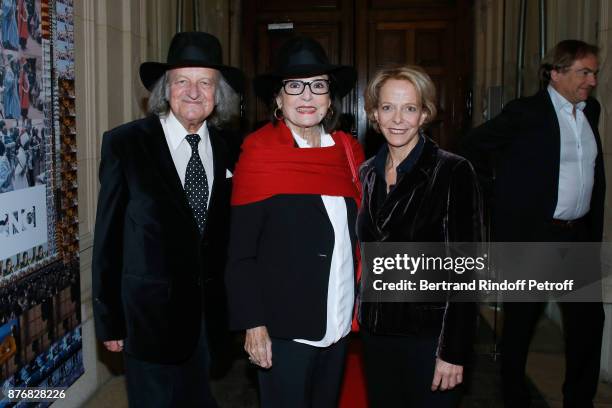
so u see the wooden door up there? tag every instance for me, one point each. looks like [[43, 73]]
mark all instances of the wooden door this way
[[269, 23], [435, 35], [369, 34]]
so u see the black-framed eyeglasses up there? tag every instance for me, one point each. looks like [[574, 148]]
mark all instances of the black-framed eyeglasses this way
[[296, 87]]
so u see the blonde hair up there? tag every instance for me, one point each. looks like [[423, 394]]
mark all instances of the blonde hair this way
[[424, 86]]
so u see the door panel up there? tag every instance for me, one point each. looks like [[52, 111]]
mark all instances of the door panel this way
[[428, 35], [389, 47], [403, 4], [417, 43], [284, 5]]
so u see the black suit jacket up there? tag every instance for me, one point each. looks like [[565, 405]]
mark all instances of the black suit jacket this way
[[526, 141], [150, 262], [279, 262]]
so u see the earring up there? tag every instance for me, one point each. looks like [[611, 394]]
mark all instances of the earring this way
[[278, 116]]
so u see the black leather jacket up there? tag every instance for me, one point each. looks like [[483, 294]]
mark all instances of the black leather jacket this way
[[438, 200]]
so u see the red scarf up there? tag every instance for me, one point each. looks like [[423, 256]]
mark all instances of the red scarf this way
[[271, 164]]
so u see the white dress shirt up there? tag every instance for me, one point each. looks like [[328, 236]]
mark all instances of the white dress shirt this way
[[181, 151], [340, 289], [577, 159]]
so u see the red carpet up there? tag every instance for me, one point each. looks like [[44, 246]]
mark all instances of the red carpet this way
[[353, 394]]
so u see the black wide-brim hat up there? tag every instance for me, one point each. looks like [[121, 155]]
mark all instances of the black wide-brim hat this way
[[192, 49], [303, 57]]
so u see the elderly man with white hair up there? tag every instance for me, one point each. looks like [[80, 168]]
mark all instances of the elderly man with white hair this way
[[161, 225]]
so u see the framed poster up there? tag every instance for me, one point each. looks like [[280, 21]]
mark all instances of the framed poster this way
[[40, 333]]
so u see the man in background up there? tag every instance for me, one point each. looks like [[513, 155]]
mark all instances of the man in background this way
[[549, 187]]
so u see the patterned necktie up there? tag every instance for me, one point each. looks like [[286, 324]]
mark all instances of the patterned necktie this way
[[196, 183]]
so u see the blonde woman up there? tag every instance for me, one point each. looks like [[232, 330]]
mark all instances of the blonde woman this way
[[414, 354]]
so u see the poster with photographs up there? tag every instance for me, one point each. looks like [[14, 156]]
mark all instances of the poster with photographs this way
[[40, 333]]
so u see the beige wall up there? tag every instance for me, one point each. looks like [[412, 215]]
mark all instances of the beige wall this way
[[604, 94], [488, 53]]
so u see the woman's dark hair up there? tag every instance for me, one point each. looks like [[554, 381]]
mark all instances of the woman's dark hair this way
[[563, 55], [2, 149], [330, 122]]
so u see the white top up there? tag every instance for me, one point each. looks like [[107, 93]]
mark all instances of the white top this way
[[577, 159], [20, 176], [181, 151], [341, 286]]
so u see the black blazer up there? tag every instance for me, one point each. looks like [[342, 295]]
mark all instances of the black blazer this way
[[149, 260], [525, 139], [278, 266]]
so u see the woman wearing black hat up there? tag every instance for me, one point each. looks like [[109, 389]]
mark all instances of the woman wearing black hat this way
[[290, 275]]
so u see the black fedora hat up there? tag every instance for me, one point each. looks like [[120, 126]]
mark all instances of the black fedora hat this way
[[192, 49], [302, 57]]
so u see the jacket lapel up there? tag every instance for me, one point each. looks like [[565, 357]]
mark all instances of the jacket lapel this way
[[219, 153], [218, 163], [593, 119], [381, 212], [156, 148], [418, 177], [552, 131], [552, 122]]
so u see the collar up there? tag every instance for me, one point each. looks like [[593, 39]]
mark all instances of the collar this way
[[178, 132], [380, 160], [326, 140], [560, 103]]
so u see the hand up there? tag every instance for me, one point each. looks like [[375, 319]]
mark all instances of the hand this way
[[259, 346], [114, 345], [446, 376]]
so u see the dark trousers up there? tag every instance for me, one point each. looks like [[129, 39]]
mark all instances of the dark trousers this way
[[303, 376], [183, 385], [582, 327], [399, 372]]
